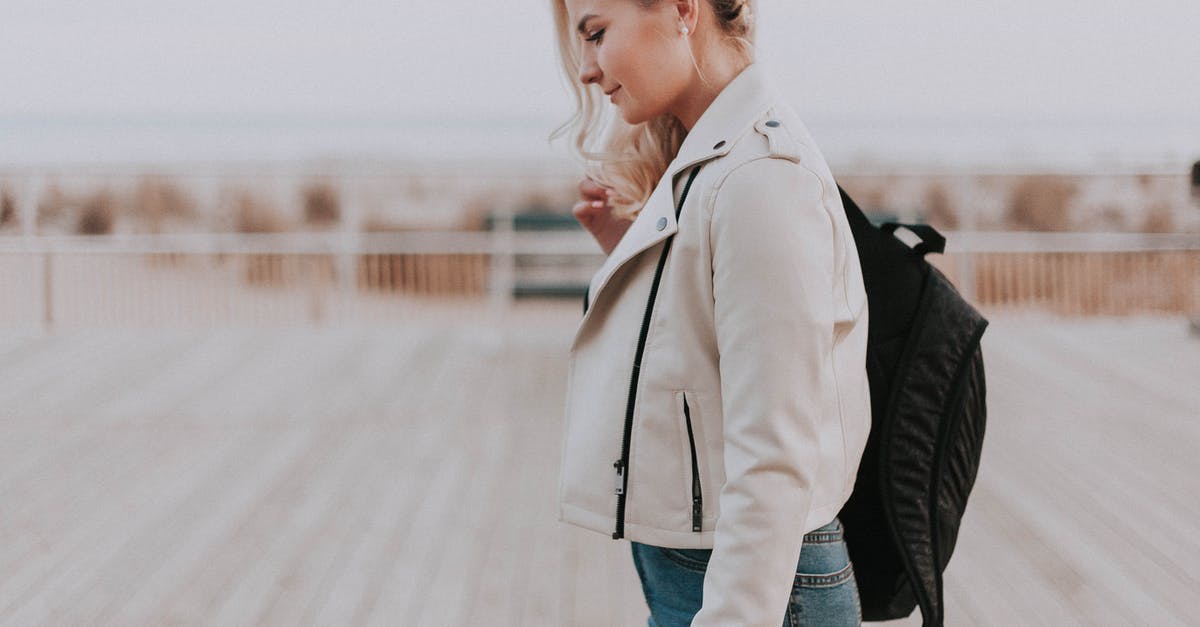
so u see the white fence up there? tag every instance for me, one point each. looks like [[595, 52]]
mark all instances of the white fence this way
[[327, 278], [265, 278], [354, 273]]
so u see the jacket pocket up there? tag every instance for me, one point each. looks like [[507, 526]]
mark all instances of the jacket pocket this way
[[697, 497]]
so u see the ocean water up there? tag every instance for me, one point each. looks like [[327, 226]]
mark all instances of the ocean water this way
[[881, 144]]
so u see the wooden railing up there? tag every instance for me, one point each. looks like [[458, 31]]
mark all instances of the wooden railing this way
[[261, 278], [1076, 273], [1116, 283], [330, 277]]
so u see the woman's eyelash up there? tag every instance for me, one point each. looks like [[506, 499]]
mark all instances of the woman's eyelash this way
[[596, 35]]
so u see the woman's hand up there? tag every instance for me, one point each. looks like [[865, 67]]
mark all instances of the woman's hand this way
[[595, 214]]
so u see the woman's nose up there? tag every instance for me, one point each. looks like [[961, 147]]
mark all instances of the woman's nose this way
[[589, 72]]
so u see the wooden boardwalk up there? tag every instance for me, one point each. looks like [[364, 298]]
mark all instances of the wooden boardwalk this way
[[407, 476]]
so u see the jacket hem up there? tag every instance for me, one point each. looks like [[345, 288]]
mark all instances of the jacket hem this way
[[634, 532]]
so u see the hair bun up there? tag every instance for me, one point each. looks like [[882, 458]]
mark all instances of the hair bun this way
[[738, 9]]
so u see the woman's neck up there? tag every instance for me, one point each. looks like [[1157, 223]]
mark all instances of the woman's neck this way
[[719, 71]]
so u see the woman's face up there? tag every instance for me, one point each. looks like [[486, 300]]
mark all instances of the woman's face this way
[[636, 56]]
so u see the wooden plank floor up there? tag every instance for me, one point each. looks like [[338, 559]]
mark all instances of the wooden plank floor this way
[[407, 475]]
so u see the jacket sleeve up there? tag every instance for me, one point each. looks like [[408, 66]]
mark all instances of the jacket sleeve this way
[[772, 272]]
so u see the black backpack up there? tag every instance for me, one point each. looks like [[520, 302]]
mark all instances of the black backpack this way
[[925, 370], [928, 414]]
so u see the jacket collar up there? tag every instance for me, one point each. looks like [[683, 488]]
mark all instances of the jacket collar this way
[[731, 114], [728, 117]]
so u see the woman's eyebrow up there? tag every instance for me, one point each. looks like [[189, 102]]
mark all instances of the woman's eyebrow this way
[[583, 23]]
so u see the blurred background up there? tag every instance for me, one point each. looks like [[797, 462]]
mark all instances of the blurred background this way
[[287, 289]]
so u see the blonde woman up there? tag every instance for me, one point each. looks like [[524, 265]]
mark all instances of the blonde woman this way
[[718, 403]]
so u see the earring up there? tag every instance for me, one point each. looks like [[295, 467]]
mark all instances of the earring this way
[[683, 29]]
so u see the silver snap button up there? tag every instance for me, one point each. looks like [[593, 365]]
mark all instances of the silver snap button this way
[[662, 224], [772, 123]]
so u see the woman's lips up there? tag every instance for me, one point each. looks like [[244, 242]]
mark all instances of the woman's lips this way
[[613, 96]]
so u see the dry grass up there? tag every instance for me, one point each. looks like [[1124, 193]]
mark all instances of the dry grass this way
[[1159, 219], [155, 203], [97, 215], [1041, 203], [158, 200], [475, 214], [1112, 218], [53, 207], [375, 223], [868, 191], [322, 206], [254, 215], [8, 208], [939, 210]]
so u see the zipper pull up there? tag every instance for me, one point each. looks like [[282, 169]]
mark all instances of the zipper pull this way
[[697, 513], [620, 487]]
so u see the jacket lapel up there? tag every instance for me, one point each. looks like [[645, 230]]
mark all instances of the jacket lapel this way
[[731, 114], [659, 209], [642, 234]]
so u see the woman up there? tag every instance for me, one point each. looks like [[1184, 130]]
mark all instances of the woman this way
[[718, 402]]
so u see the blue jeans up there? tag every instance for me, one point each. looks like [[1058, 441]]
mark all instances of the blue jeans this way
[[824, 592]]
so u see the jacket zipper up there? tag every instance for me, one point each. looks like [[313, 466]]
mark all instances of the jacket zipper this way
[[622, 464], [697, 499]]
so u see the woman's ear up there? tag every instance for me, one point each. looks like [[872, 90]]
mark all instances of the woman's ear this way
[[688, 12]]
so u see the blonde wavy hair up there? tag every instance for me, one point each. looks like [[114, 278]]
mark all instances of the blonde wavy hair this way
[[631, 158]]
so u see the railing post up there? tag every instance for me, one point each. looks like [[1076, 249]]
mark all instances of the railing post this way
[[503, 261], [1191, 310], [349, 250], [966, 259], [29, 201], [47, 291], [316, 304]]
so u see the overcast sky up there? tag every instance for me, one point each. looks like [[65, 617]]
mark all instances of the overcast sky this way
[[1123, 62]]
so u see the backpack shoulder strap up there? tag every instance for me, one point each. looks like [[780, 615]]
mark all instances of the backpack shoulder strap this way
[[931, 240], [857, 219]]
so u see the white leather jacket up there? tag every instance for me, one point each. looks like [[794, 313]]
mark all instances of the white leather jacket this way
[[744, 425]]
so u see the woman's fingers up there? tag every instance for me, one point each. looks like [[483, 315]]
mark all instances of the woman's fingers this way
[[586, 211], [595, 214], [590, 190]]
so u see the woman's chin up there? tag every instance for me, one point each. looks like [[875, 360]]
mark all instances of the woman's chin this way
[[630, 117]]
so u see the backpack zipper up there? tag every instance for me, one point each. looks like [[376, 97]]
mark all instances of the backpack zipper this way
[[697, 499], [622, 465]]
